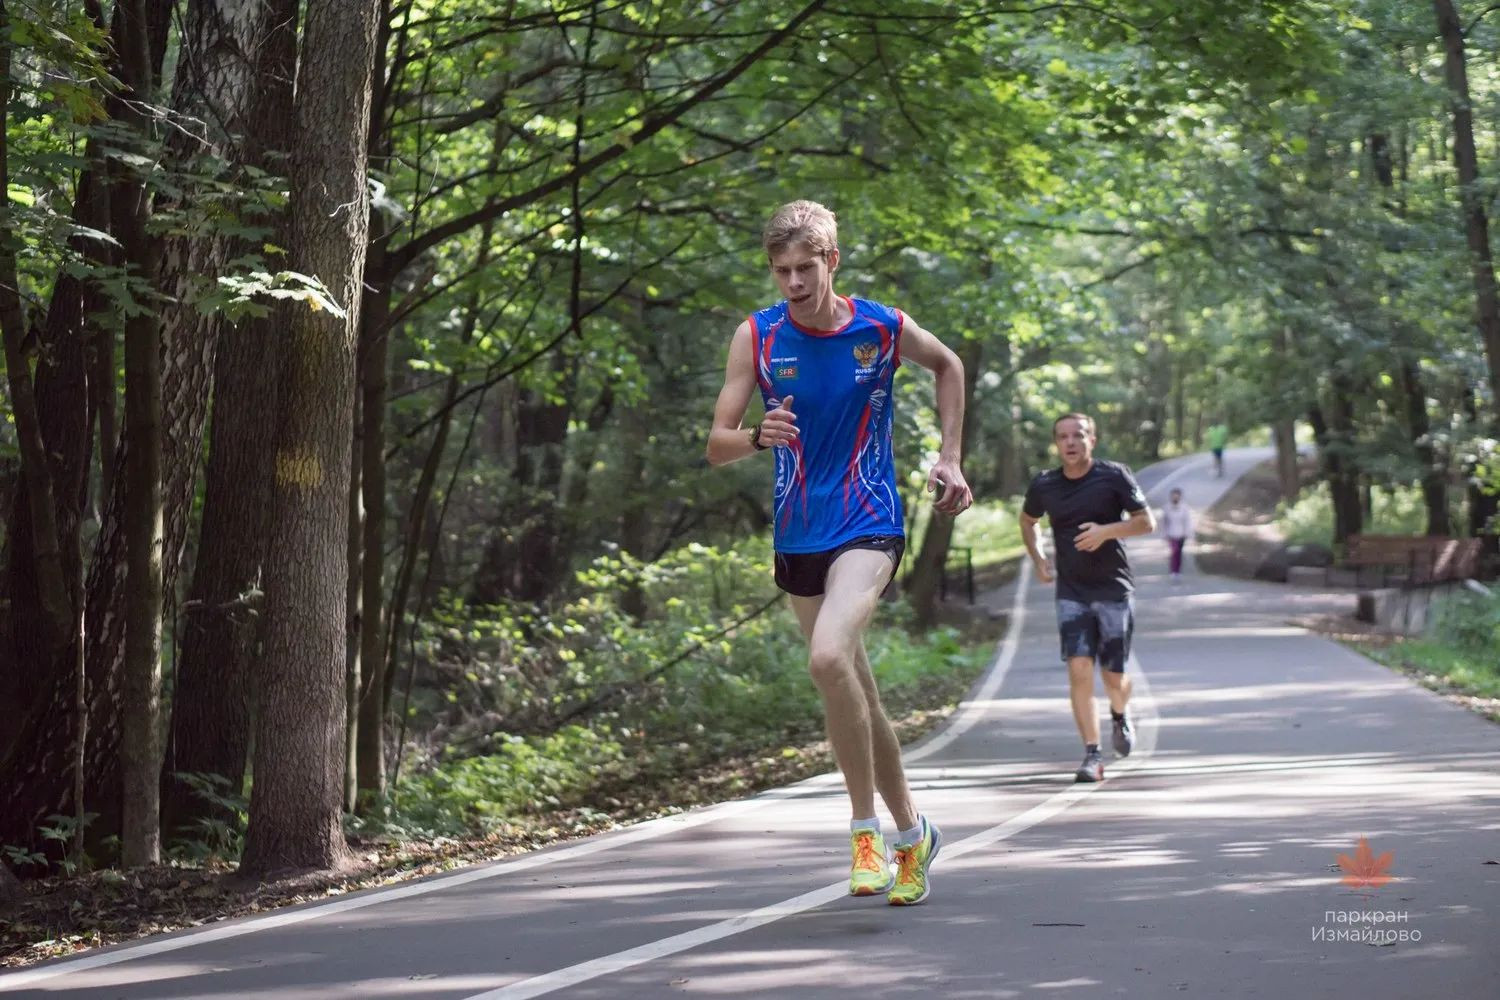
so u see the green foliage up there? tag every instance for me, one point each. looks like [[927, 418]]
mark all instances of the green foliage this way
[[1458, 650], [219, 838], [474, 794], [1397, 511], [1471, 623], [574, 701], [59, 830]]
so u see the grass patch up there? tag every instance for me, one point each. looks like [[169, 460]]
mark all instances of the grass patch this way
[[1459, 655]]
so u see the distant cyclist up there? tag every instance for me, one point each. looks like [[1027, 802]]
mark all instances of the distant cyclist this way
[[1084, 501]]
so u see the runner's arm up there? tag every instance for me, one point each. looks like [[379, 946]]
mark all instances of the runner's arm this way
[[729, 439], [1091, 535], [923, 348], [1031, 538]]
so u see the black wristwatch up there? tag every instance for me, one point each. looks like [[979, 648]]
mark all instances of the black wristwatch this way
[[755, 439]]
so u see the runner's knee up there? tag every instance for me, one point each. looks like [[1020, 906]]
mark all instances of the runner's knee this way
[[831, 668]]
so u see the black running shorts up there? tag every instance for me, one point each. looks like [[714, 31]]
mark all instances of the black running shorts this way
[[803, 574], [1100, 630]]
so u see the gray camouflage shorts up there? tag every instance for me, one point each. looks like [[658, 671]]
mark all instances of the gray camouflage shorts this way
[[1098, 629]]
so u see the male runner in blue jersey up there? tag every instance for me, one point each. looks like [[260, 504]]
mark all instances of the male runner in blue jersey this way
[[824, 364], [1084, 500]]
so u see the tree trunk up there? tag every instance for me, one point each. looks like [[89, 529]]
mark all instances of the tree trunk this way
[[1285, 434], [1179, 403], [375, 328], [1434, 473], [211, 701], [374, 379], [140, 749], [295, 817], [1471, 193], [1335, 448], [353, 605]]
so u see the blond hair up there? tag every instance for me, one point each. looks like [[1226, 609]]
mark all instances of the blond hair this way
[[801, 222]]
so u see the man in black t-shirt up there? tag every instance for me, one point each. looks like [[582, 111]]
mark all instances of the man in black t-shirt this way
[[1084, 500]]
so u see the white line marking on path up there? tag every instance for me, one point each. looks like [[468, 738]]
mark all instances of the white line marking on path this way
[[964, 718], [620, 961], [975, 708]]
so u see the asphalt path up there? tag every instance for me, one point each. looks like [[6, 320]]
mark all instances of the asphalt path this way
[[1206, 865]]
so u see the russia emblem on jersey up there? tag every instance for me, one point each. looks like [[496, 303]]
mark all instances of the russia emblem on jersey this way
[[865, 354]]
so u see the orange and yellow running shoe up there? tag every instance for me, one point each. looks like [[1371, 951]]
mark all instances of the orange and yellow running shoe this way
[[871, 872], [912, 861]]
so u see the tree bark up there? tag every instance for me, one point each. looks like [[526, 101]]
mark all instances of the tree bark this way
[[210, 729], [140, 752], [353, 606], [1471, 194], [374, 364], [369, 711], [295, 820], [1287, 474]]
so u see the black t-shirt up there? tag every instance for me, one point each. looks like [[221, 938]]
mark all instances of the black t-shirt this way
[[1100, 495]]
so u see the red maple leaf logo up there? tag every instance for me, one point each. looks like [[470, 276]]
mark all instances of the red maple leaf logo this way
[[1365, 868]]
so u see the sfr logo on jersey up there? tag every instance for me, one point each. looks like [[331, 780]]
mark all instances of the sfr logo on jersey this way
[[784, 372]]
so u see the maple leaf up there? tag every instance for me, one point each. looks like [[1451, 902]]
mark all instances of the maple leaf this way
[[1365, 868]]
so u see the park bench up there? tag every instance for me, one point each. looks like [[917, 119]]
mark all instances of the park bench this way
[[1413, 559]]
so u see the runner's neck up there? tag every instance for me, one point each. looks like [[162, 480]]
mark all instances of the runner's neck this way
[[1079, 472], [837, 311]]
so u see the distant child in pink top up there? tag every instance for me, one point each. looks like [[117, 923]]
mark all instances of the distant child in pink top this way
[[1177, 525]]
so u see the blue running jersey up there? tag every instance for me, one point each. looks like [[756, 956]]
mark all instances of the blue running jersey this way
[[837, 481]]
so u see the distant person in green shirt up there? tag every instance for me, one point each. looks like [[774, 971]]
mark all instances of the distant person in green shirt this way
[[1218, 437]]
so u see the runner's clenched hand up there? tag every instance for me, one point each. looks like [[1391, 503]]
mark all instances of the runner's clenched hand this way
[[780, 425]]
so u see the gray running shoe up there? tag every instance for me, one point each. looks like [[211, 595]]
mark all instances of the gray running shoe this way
[[1092, 768], [1123, 736]]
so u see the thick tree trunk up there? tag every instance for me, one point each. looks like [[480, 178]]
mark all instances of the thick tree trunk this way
[[210, 730], [1471, 192], [295, 819]]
